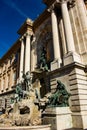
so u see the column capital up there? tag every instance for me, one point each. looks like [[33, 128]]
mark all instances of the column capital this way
[[33, 38], [21, 38], [52, 7], [28, 34], [66, 1], [63, 1], [71, 3]]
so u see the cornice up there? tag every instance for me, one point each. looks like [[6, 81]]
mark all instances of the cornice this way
[[7, 92], [68, 67], [26, 26], [12, 50], [48, 2], [40, 19]]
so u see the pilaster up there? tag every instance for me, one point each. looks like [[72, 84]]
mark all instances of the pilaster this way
[[78, 83], [83, 13]]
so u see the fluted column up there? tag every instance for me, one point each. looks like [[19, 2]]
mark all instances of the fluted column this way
[[83, 13], [67, 26], [27, 53], [21, 58]]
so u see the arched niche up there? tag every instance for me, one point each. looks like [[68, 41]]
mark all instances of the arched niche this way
[[45, 40]]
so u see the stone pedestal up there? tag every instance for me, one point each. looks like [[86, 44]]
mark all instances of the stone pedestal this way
[[59, 118], [79, 120], [55, 64], [71, 57]]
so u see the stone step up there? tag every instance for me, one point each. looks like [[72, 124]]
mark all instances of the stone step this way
[[76, 129], [38, 127]]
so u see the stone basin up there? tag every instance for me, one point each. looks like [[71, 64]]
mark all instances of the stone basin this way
[[39, 127]]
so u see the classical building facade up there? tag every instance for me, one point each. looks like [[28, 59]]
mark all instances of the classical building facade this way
[[62, 30]]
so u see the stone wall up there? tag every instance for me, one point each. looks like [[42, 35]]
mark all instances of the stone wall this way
[[78, 19], [5, 100]]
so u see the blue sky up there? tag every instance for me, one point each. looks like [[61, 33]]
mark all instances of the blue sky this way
[[12, 15]]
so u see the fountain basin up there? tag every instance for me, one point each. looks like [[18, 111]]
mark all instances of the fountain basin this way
[[39, 127]]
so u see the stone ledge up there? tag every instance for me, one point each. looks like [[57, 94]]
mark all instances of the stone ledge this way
[[39, 127], [75, 129], [58, 110]]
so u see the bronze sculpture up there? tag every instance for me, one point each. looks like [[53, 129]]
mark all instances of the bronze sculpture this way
[[60, 97], [43, 60]]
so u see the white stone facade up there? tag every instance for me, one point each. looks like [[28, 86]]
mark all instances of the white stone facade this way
[[62, 30]]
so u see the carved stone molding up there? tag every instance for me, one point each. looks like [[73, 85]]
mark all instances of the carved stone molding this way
[[57, 3], [61, 1], [68, 1], [51, 8], [21, 38], [27, 34], [71, 3]]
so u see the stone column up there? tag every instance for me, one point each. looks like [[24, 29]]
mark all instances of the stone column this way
[[56, 45], [67, 26], [21, 58], [55, 35], [33, 54], [27, 53], [71, 56], [63, 37]]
